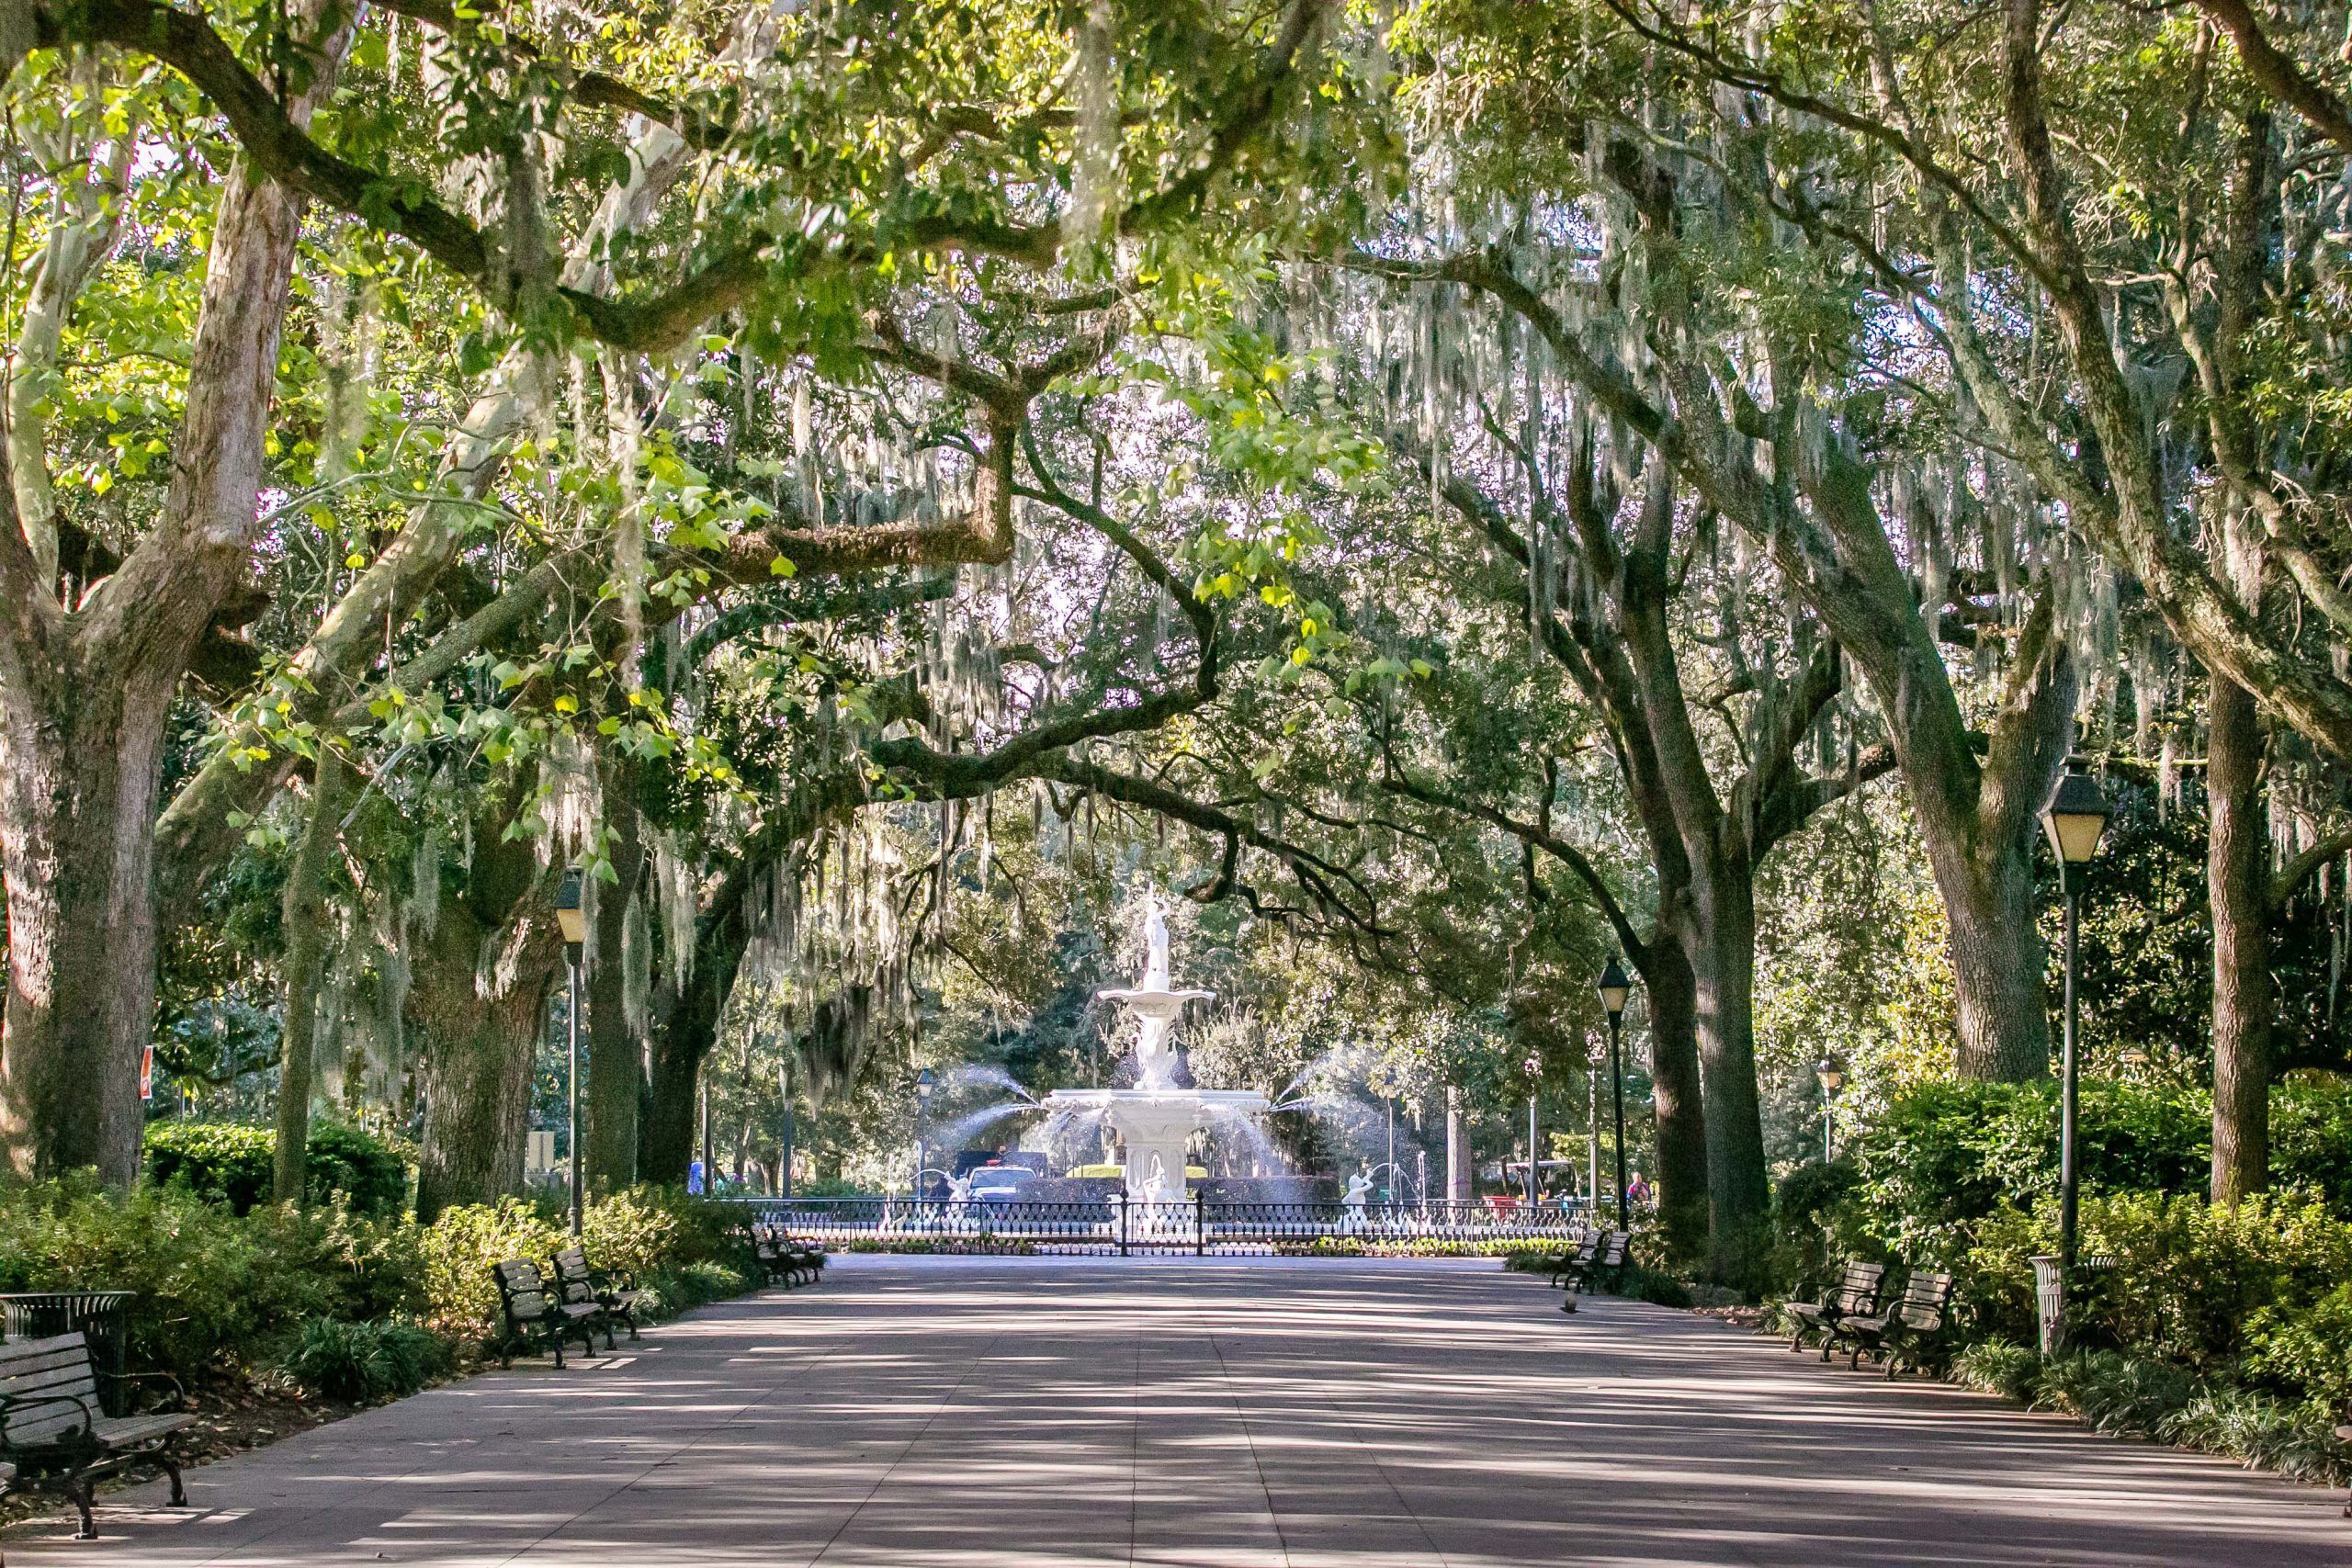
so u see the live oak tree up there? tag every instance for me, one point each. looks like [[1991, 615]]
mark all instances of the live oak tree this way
[[791, 231]]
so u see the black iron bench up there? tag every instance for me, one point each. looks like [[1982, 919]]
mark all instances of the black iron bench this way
[[1557, 1265], [537, 1318], [1856, 1296], [1913, 1330], [1604, 1266], [53, 1435], [783, 1257], [580, 1283]]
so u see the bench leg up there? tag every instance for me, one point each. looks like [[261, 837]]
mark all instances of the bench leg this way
[[559, 1349], [79, 1490], [172, 1467]]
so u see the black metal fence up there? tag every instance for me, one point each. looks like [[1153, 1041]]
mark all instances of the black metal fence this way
[[1120, 1226]]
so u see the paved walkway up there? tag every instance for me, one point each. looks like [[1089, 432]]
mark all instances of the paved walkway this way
[[995, 1413]]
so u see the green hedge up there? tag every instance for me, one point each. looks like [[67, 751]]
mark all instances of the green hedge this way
[[2250, 1303], [230, 1163], [333, 1298], [210, 1285]]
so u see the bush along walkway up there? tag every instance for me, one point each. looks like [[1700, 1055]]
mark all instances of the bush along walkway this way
[[275, 1320], [2250, 1308], [2114, 1391]]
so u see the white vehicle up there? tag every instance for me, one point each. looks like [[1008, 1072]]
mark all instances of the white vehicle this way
[[999, 1183]]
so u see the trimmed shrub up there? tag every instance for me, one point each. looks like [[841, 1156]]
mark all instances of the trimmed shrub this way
[[229, 1162], [2311, 1137], [460, 1248], [1948, 1154], [205, 1284], [630, 1233]]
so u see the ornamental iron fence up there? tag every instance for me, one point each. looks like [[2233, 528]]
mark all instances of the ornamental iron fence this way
[[1116, 1226]]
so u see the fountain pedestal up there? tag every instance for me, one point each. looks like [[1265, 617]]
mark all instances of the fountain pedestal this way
[[1156, 1124]]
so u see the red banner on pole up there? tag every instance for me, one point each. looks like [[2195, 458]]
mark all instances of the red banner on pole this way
[[147, 1072]]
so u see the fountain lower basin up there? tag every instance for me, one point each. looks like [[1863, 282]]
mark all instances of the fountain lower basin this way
[[1156, 1124]]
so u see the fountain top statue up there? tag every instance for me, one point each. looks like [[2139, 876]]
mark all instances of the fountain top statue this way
[[1154, 936], [1156, 1003], [1156, 1119]]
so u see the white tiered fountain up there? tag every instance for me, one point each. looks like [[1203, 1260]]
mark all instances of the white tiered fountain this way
[[1156, 1119]]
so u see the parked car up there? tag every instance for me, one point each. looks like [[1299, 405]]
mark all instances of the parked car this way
[[1000, 1183]]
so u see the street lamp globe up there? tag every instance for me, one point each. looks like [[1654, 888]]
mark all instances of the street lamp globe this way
[[1830, 1073], [569, 917], [1614, 987], [2075, 816], [926, 1081]]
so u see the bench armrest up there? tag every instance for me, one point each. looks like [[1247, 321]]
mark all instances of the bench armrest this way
[[179, 1389], [10, 1404]]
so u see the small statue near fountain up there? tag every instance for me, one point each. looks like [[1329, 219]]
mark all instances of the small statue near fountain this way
[[1161, 1188]]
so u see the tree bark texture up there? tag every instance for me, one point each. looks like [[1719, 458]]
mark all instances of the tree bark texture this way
[[304, 907], [478, 999], [616, 1084], [2237, 882], [1719, 937], [1457, 1149], [1680, 1102]]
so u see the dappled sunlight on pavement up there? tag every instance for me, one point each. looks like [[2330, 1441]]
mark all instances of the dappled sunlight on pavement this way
[[988, 1413]]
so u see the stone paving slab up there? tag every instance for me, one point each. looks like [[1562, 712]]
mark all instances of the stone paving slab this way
[[987, 1412]]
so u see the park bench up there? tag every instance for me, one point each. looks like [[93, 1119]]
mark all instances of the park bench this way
[[1913, 1329], [1606, 1264], [783, 1257], [1856, 1296], [580, 1283], [537, 1318], [55, 1437], [1557, 1265]]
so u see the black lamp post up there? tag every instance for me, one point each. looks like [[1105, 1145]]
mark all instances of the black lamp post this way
[[1535, 1066], [572, 921], [1614, 989], [2073, 820], [1831, 1076], [926, 1083]]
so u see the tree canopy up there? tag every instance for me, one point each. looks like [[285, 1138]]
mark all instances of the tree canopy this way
[[1456, 490]]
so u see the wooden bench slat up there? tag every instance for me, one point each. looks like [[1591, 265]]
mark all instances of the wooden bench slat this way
[[54, 1436]]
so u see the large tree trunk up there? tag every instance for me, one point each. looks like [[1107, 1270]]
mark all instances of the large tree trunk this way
[[1739, 1192], [80, 761], [1998, 957], [84, 700], [671, 1127], [478, 998], [1675, 1084], [2236, 871], [305, 907], [615, 1061], [1719, 937]]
